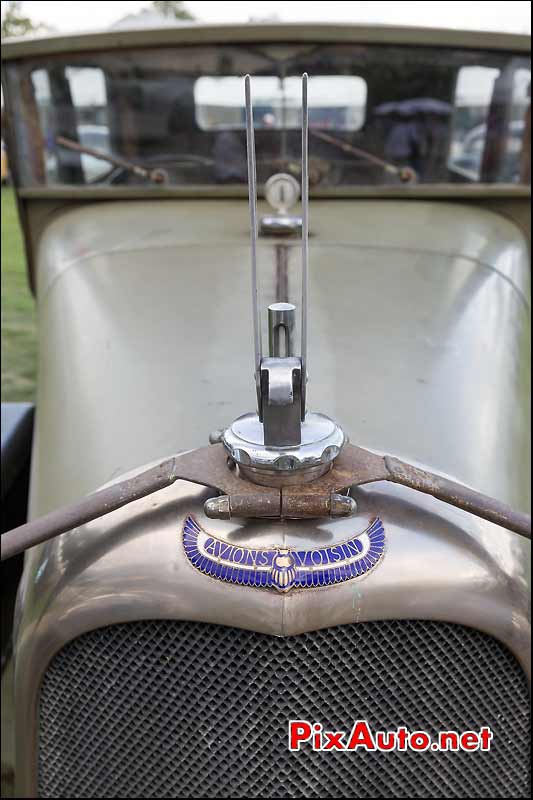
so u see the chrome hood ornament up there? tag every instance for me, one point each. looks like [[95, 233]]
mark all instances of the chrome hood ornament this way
[[282, 443]]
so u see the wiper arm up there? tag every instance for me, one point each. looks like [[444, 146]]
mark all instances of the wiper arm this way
[[153, 175], [405, 174]]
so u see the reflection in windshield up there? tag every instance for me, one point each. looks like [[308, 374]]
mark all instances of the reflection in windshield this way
[[335, 101], [153, 175], [378, 115]]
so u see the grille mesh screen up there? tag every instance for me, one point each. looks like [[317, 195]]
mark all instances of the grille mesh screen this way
[[182, 709]]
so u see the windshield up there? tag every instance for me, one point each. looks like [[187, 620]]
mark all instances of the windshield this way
[[175, 116]]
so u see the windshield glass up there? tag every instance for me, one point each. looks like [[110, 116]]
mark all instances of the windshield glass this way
[[175, 116]]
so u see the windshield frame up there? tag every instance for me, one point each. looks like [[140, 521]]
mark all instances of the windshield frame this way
[[289, 34]]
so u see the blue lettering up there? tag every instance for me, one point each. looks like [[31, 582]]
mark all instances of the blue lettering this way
[[263, 560], [225, 549], [345, 550], [354, 547], [210, 545], [335, 554]]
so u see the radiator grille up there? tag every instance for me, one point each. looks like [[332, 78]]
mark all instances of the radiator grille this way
[[181, 709]]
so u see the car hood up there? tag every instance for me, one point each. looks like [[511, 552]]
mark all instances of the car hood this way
[[418, 330]]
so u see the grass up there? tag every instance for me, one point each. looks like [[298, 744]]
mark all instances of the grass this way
[[19, 332]]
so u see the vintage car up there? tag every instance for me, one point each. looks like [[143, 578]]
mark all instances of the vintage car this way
[[252, 617]]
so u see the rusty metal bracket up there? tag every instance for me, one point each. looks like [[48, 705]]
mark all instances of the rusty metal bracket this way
[[208, 466], [456, 494]]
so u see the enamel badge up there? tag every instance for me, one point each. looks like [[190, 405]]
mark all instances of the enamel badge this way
[[283, 568]]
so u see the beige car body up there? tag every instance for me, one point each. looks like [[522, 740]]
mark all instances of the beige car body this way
[[419, 346]]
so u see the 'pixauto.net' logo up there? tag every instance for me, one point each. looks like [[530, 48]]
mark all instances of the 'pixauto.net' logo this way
[[312, 734]]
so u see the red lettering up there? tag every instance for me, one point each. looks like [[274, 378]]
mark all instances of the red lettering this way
[[385, 740], [333, 740], [469, 740], [299, 731], [361, 736], [317, 736], [449, 740], [419, 740], [402, 734], [485, 734]]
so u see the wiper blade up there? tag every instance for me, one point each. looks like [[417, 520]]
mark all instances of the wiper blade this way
[[153, 175], [405, 174]]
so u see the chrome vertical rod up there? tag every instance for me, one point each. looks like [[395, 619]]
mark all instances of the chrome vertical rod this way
[[252, 200], [305, 233], [281, 321]]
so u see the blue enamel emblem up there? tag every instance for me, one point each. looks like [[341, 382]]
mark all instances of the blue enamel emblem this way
[[283, 568]]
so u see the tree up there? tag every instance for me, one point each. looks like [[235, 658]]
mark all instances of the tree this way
[[16, 23], [168, 8]]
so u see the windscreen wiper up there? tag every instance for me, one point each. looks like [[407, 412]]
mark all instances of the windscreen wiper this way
[[154, 175], [405, 174]]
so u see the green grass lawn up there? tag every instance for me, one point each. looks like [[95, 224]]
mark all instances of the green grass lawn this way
[[19, 333]]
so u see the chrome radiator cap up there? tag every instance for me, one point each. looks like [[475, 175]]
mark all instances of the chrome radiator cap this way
[[321, 442]]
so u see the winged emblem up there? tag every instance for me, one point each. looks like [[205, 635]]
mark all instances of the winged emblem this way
[[283, 568]]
